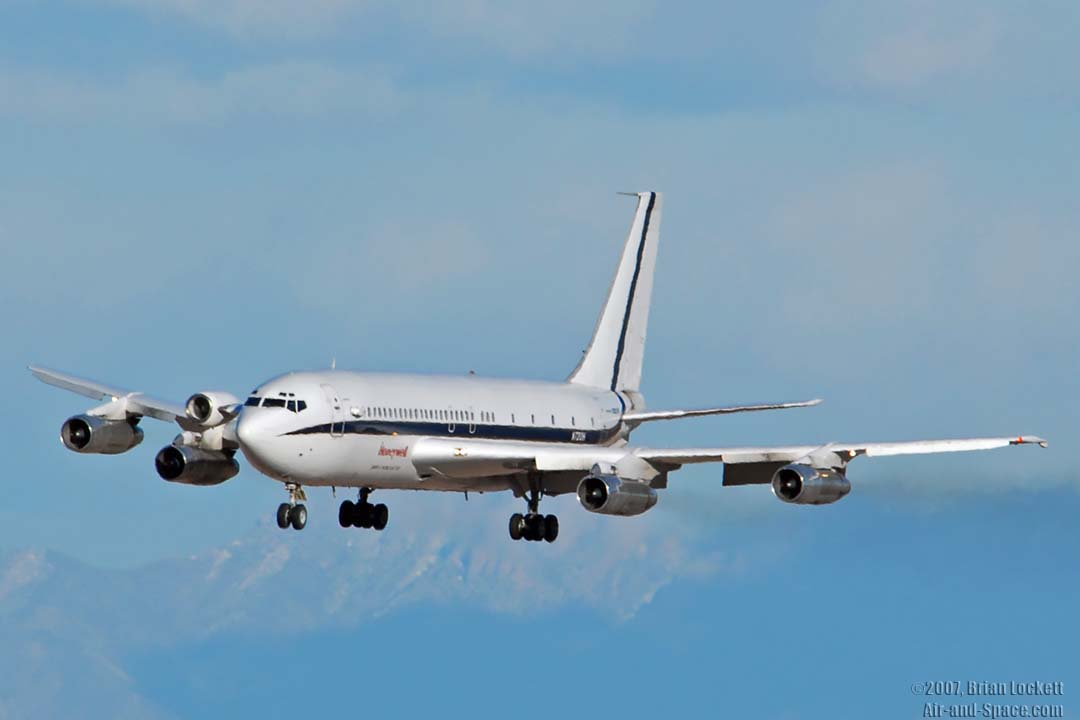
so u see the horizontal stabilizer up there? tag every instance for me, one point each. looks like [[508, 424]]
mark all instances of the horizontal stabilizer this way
[[635, 418]]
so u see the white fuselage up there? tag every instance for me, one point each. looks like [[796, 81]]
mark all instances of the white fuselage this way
[[358, 429]]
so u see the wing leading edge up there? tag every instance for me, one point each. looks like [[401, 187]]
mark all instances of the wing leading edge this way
[[136, 403], [845, 451]]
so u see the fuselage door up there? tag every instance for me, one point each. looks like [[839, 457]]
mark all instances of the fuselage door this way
[[337, 412]]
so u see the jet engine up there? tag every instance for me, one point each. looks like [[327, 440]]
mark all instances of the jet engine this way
[[205, 408], [805, 485], [612, 495], [193, 466], [90, 434]]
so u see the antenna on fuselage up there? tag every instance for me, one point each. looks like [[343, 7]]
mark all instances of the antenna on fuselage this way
[[333, 363]]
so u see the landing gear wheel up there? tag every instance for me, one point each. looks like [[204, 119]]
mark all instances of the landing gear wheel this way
[[380, 516], [551, 528], [345, 514], [298, 517], [283, 515], [517, 526], [535, 524], [362, 513]]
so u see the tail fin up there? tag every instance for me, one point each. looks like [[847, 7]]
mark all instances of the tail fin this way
[[615, 355]]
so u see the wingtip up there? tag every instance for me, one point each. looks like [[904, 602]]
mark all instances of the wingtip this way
[[1031, 440]]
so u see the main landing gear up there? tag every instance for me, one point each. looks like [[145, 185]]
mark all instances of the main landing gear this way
[[534, 526], [293, 513], [363, 514]]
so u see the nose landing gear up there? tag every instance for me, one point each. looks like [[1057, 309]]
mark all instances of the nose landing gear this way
[[363, 514], [293, 513]]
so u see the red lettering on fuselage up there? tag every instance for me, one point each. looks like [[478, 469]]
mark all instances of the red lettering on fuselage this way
[[393, 452]]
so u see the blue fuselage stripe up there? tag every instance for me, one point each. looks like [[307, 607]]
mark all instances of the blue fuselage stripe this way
[[478, 431]]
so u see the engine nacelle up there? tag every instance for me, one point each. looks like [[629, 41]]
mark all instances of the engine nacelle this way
[[611, 495], [805, 485], [192, 466], [205, 407], [90, 434]]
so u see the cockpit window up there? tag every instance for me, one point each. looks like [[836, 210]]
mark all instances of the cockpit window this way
[[278, 402]]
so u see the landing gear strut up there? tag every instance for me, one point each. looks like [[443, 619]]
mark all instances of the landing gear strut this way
[[293, 512], [532, 525], [363, 514]]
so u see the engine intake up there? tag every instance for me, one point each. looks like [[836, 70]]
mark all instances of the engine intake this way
[[95, 435], [205, 407], [805, 485], [612, 495], [192, 466]]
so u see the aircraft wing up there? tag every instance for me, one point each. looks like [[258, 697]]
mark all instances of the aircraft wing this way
[[635, 418], [464, 457], [136, 403], [846, 451]]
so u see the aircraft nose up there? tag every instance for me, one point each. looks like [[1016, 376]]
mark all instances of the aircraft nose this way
[[256, 437]]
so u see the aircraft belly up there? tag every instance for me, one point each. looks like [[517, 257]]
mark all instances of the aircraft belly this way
[[348, 461], [367, 461]]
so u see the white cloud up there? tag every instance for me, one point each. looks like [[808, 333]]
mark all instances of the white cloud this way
[[897, 241], [417, 259], [521, 28], [343, 578], [259, 17], [923, 52], [909, 45], [869, 236], [516, 28], [167, 95]]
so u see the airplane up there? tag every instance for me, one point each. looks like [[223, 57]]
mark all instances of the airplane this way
[[377, 431]]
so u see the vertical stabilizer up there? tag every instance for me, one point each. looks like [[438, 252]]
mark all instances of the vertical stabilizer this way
[[614, 358]]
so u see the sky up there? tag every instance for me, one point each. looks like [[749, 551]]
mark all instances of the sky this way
[[872, 203]]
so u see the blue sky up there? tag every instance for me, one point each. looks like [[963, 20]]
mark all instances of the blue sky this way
[[871, 203]]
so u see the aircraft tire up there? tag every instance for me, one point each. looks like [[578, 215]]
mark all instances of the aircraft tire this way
[[517, 526], [380, 516], [298, 517], [345, 514], [551, 528], [363, 515], [534, 525], [283, 515]]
